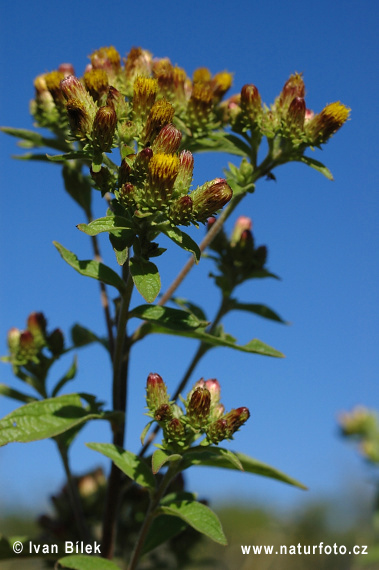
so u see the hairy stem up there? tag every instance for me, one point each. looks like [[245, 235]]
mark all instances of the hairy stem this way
[[120, 377]]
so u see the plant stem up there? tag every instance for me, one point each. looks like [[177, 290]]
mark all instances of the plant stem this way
[[120, 376], [151, 512], [74, 497]]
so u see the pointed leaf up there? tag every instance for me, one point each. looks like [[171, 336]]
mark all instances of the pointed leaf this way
[[15, 394], [173, 319], [108, 224], [160, 457], [249, 464], [261, 310], [183, 240], [197, 455], [162, 529], [91, 268], [81, 336], [71, 155], [86, 562], [145, 431], [317, 166], [197, 515], [70, 375], [191, 307], [35, 138], [133, 466], [146, 278]]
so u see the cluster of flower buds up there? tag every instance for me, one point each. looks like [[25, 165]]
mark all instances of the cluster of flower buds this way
[[237, 257], [362, 424], [287, 118], [204, 414], [25, 346]]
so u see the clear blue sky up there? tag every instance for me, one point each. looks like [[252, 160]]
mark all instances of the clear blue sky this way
[[322, 236]]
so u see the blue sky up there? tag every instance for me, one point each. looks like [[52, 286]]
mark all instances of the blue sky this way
[[322, 237]]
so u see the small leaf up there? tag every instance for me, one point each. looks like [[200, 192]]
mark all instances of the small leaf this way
[[35, 138], [261, 310], [172, 319], [81, 336], [70, 375], [183, 240], [71, 155], [133, 466], [160, 457], [85, 562], [317, 166], [197, 515], [249, 464], [145, 431], [91, 268], [120, 246], [108, 224], [191, 307], [146, 278], [43, 419], [15, 394]]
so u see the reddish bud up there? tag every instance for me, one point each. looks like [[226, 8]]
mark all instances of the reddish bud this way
[[210, 197], [13, 340], [198, 408], [181, 211], [104, 126], [174, 431], [37, 326], [156, 392], [243, 223], [168, 140]]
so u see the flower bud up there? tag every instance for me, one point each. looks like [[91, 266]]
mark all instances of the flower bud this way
[[185, 172], [104, 126], [210, 198], [180, 212], [55, 342], [243, 223], [325, 124], [225, 427], [293, 87], [27, 348], [174, 431], [156, 392], [296, 115], [163, 170], [161, 114], [96, 82], [53, 85], [126, 195], [168, 140], [13, 340], [360, 421], [198, 408], [116, 100], [251, 104], [106, 58], [163, 71], [163, 413], [67, 69], [221, 83], [201, 75], [200, 105], [145, 90], [80, 120], [37, 326], [138, 62], [214, 388]]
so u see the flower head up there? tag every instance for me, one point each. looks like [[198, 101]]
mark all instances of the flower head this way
[[322, 126]]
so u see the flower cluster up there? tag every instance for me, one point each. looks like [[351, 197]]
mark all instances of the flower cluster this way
[[237, 258], [26, 346], [362, 424], [288, 118], [204, 414]]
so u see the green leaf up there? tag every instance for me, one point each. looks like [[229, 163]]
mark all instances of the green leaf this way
[[108, 224], [255, 346], [261, 310], [183, 240], [162, 529], [120, 246], [85, 562], [15, 394], [249, 464], [197, 455], [219, 142], [77, 185], [146, 278], [191, 307], [71, 155], [91, 268], [133, 466], [70, 375], [160, 457], [317, 166], [172, 319], [35, 138], [197, 515], [43, 419], [145, 431]]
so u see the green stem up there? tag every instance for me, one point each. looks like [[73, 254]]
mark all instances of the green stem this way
[[120, 380], [74, 497], [151, 513]]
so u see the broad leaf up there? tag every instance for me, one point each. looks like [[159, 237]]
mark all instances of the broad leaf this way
[[197, 515], [162, 529], [191, 307], [317, 166], [258, 309], [133, 466], [160, 457], [183, 240], [15, 394], [44, 419], [172, 319], [81, 336], [146, 278], [108, 224], [86, 562], [205, 454], [91, 268], [249, 464]]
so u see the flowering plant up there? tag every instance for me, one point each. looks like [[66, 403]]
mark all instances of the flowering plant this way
[[151, 118]]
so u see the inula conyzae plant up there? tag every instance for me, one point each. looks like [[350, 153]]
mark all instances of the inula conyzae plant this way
[[126, 132]]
